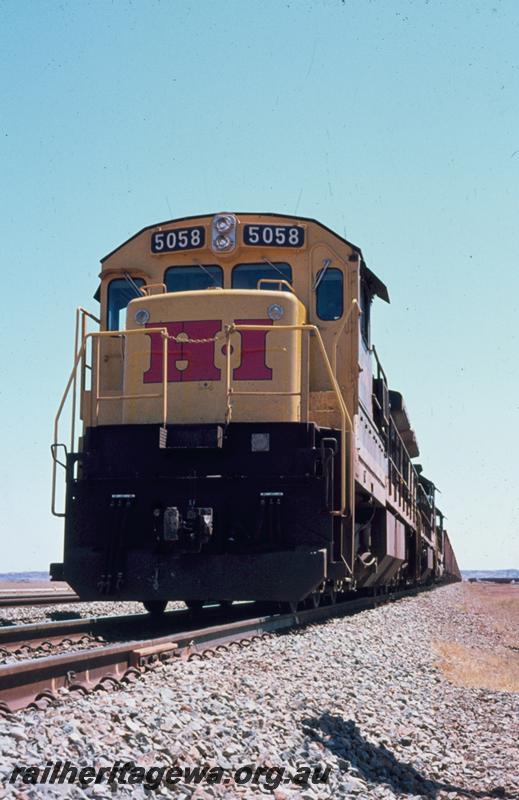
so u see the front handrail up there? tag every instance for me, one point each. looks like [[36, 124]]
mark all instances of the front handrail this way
[[347, 454], [80, 359], [120, 335], [347, 493], [278, 281], [55, 444], [147, 286], [81, 322]]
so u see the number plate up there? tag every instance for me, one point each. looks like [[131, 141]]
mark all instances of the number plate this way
[[274, 235], [178, 239]]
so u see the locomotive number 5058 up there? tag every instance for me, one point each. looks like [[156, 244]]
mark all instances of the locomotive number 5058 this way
[[274, 235]]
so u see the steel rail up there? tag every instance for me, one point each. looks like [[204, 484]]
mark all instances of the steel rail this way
[[15, 635], [26, 682], [45, 598], [15, 639]]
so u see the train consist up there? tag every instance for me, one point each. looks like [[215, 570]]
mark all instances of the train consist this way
[[238, 439]]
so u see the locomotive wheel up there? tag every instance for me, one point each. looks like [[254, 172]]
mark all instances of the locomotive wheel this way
[[155, 608]]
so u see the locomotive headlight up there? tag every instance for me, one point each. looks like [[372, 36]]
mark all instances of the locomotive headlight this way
[[223, 233], [222, 242], [224, 223]]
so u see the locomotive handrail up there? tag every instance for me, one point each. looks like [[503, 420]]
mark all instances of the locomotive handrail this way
[[148, 286], [280, 281], [373, 349], [403, 483], [340, 331], [80, 356], [142, 396], [81, 322], [421, 490], [347, 497], [55, 444]]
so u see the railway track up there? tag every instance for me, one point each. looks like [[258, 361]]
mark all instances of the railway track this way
[[36, 597], [105, 665], [33, 639]]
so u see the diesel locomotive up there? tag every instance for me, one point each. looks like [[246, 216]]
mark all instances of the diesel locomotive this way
[[233, 435]]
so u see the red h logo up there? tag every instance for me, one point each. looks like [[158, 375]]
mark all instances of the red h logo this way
[[194, 360]]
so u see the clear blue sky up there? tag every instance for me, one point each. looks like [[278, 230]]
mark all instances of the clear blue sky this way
[[392, 121]]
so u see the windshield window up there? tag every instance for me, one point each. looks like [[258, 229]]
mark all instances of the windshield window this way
[[193, 278], [329, 294], [120, 292], [246, 276]]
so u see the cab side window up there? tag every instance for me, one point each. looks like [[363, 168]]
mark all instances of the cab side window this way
[[329, 293], [120, 292]]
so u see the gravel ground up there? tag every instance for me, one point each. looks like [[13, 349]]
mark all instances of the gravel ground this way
[[32, 614], [364, 696]]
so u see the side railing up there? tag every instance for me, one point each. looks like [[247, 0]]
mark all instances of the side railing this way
[[78, 373], [426, 510], [347, 472], [97, 397], [400, 488], [82, 317], [354, 306]]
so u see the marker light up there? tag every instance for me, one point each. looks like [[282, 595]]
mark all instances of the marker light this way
[[275, 311], [142, 316]]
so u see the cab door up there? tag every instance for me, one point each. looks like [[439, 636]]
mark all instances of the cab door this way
[[334, 288]]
